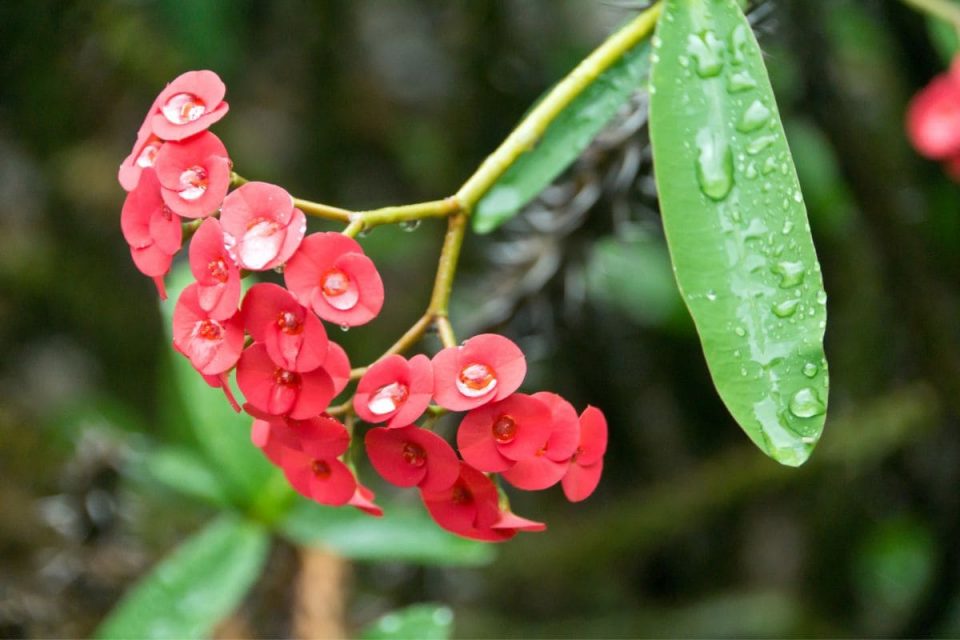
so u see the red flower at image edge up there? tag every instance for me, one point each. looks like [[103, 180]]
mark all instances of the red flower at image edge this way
[[151, 229], [586, 465], [486, 368]]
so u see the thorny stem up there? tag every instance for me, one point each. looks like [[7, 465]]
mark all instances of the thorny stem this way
[[943, 9], [457, 208]]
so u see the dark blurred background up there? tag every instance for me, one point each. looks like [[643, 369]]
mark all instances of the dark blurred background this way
[[362, 103]]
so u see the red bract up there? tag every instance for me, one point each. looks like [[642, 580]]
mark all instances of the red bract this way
[[261, 226], [394, 389], [188, 105], [510, 523], [468, 508], [194, 175], [363, 500], [486, 368], [281, 392], [933, 117], [548, 465], [331, 275], [411, 456], [293, 336], [494, 437], [307, 451], [213, 346], [143, 156], [586, 465], [338, 366], [218, 278], [151, 229]]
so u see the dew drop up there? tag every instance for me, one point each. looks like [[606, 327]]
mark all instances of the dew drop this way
[[344, 328], [476, 380], [738, 44], [805, 403], [821, 297], [756, 115], [791, 273], [183, 108], [739, 82], [786, 308], [714, 164], [769, 166], [388, 398], [797, 197], [711, 295], [410, 225], [740, 331], [751, 171], [787, 227], [707, 53], [810, 370], [759, 144], [339, 290]]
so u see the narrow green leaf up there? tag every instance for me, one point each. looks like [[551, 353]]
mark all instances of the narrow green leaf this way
[[563, 141], [422, 621], [736, 225], [404, 534], [194, 587], [186, 472], [223, 434]]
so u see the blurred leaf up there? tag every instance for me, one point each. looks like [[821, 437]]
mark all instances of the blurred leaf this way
[[186, 472], [737, 229], [633, 274], [421, 621], [404, 534], [945, 38], [195, 586], [223, 434], [563, 141]]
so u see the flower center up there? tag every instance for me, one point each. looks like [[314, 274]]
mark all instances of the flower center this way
[[461, 495], [504, 429], [476, 380], [182, 108], [289, 323], [339, 290], [209, 330], [149, 152], [320, 469], [218, 270], [286, 378], [193, 183], [388, 398], [413, 454]]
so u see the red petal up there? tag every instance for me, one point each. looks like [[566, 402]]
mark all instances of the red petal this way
[[476, 441], [385, 448], [151, 260], [512, 521], [218, 172], [535, 473], [420, 390], [255, 201], [593, 436], [565, 427], [207, 86], [363, 500], [581, 481], [166, 231], [500, 353], [446, 369], [316, 255], [138, 208], [337, 365]]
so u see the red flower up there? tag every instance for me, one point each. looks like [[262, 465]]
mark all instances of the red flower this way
[[394, 389], [307, 451], [509, 524], [213, 346], [331, 275], [933, 117], [218, 278], [194, 175], [281, 392], [188, 105], [294, 338], [363, 500], [151, 229], [586, 465], [495, 436], [469, 508], [338, 366], [261, 227], [484, 369], [550, 462], [411, 456]]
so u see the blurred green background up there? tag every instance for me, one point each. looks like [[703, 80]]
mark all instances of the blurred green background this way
[[364, 103]]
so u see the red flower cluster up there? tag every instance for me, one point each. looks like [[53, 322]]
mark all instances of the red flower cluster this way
[[289, 370], [933, 120]]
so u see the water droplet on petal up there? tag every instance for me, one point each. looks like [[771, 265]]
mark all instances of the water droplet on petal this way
[[476, 380], [504, 429], [182, 108], [260, 243], [388, 398], [193, 183], [805, 403], [740, 331], [339, 290]]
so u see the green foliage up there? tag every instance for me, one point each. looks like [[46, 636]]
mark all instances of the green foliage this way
[[736, 225], [186, 472], [422, 621], [403, 534], [563, 141], [195, 586]]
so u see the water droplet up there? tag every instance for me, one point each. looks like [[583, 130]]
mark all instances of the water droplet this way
[[410, 225], [756, 115], [791, 273], [740, 331], [737, 354], [769, 166], [344, 328], [797, 197], [822, 297], [751, 170], [759, 144], [339, 290], [787, 227], [656, 41], [711, 295], [739, 82], [475, 380], [738, 44], [743, 371], [805, 403], [182, 108], [714, 164], [810, 370], [786, 308], [707, 53]]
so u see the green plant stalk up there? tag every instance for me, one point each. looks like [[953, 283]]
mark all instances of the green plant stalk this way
[[943, 9]]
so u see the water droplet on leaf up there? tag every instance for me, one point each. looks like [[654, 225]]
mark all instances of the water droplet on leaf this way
[[714, 164], [805, 403]]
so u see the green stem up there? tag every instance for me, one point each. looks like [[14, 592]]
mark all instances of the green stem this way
[[447, 266], [531, 128], [943, 9]]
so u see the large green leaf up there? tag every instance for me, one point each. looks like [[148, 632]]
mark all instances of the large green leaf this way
[[422, 621], [223, 434], [563, 141], [194, 587], [403, 534], [736, 225]]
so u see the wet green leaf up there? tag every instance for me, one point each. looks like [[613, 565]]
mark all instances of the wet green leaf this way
[[195, 586], [423, 621], [736, 225], [563, 141], [403, 534]]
